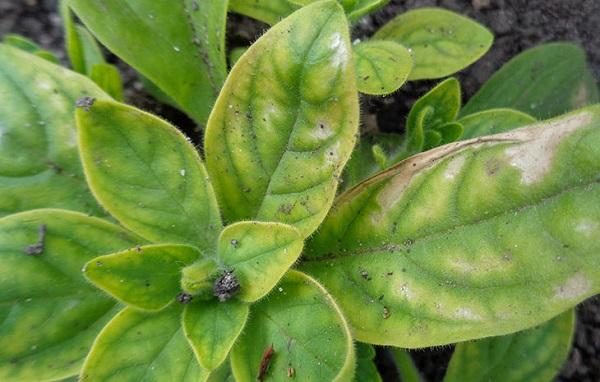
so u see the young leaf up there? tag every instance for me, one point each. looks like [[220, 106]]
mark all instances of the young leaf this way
[[493, 121], [355, 9], [139, 346], [27, 45], [533, 355], [147, 175], [235, 54], [178, 45], [81, 46], [544, 82], [365, 366], [268, 11], [284, 124], [406, 366], [477, 238], [49, 314], [108, 78], [381, 66], [444, 100], [260, 254], [212, 327], [146, 277], [441, 42], [39, 164], [307, 332]]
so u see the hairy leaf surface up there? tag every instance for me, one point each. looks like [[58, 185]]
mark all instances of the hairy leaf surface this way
[[441, 42], [477, 238], [39, 163], [139, 346], [381, 66], [533, 355], [147, 175], [179, 45], [306, 330], [544, 82], [49, 314], [284, 124]]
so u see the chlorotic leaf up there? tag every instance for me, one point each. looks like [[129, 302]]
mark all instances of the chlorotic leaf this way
[[147, 175], [277, 142], [381, 66], [108, 78], [544, 82], [305, 330], [268, 11], [139, 346], [533, 355], [212, 327], [39, 163], [441, 42], [49, 314], [259, 254], [477, 238], [178, 45], [365, 367], [146, 277], [493, 121]]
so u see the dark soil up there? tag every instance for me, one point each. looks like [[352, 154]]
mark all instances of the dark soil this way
[[517, 25]]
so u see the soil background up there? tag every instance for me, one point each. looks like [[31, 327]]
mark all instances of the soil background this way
[[517, 25]]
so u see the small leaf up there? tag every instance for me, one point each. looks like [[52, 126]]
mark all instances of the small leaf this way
[[39, 163], [81, 46], [268, 11], [260, 254], [276, 142], [147, 175], [49, 314], [441, 42], [212, 327], [476, 238], [306, 330], [406, 366], [381, 66], [355, 9], [450, 131], [21, 42], [108, 78], [544, 81], [146, 277], [444, 100], [493, 121], [365, 366], [235, 54], [139, 346], [533, 355], [178, 45]]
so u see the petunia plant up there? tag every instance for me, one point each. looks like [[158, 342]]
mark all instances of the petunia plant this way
[[129, 254]]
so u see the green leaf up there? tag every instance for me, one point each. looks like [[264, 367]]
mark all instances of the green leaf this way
[[285, 122], [21, 42], [49, 314], [544, 81], [406, 366], [353, 8], [146, 277], [381, 66], [444, 100], [365, 367], [260, 254], [81, 46], [212, 327], [268, 11], [108, 78], [236, 53], [178, 45], [39, 163], [147, 175], [441, 42], [477, 238], [533, 355], [305, 328], [493, 121], [451, 131], [139, 346]]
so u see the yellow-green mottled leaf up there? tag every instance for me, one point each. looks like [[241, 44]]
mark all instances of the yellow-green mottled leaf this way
[[108, 78], [146, 277], [39, 163], [533, 355], [49, 314], [139, 346], [493, 121], [259, 254], [441, 42], [147, 175], [212, 327], [544, 82], [473, 239], [306, 329], [178, 45], [381, 66], [284, 124]]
